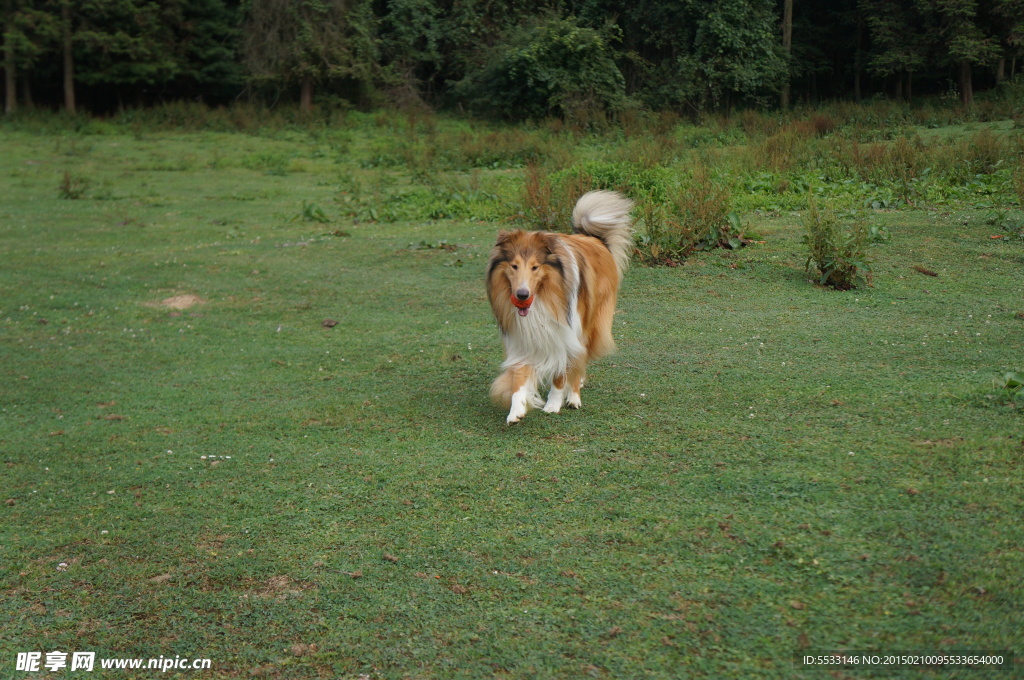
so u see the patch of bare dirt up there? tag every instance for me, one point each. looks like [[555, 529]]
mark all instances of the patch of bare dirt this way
[[178, 302]]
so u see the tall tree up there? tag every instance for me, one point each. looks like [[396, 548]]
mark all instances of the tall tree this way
[[787, 47], [736, 48], [68, 50], [206, 48], [411, 35], [308, 41], [962, 40], [10, 70], [1007, 20], [31, 32], [899, 45], [127, 44]]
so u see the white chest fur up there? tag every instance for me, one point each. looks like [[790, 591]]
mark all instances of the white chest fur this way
[[540, 340]]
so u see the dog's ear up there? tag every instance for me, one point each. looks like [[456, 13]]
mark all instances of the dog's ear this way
[[550, 242], [504, 237], [500, 252], [553, 249]]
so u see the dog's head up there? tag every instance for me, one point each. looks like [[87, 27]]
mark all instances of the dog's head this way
[[522, 265]]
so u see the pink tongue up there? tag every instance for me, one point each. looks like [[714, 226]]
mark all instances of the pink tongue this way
[[523, 311]]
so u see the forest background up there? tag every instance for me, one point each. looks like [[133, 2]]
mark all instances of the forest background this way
[[589, 60]]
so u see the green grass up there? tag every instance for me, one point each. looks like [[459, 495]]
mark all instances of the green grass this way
[[765, 467]]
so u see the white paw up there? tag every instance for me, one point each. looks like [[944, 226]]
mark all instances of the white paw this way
[[516, 413], [556, 398], [536, 401], [574, 400], [518, 410]]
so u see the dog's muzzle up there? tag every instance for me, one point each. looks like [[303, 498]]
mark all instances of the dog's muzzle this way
[[522, 304]]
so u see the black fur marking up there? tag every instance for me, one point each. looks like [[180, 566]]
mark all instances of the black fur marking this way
[[495, 261], [555, 262]]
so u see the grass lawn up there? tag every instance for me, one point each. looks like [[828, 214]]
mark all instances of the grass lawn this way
[[765, 468]]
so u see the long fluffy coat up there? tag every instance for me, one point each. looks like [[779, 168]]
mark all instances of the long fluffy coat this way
[[553, 296]]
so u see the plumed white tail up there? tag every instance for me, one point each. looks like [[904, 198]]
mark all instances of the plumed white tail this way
[[605, 215]]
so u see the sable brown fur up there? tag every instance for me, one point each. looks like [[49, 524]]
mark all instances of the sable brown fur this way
[[572, 281]]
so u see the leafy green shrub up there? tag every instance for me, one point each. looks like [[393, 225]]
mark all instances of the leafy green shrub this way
[[552, 68], [838, 252], [1009, 388], [311, 212], [1012, 225], [877, 235]]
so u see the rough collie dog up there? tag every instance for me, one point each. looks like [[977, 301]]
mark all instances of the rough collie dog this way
[[553, 296]]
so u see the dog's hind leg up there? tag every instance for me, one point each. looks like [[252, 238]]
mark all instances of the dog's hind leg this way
[[556, 397], [577, 374], [524, 393]]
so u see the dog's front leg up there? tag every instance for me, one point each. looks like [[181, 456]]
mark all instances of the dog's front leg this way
[[524, 393], [556, 397]]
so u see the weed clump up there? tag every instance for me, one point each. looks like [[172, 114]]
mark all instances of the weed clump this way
[[695, 217], [823, 124], [791, 147], [837, 251], [72, 187], [968, 157], [1006, 389], [549, 199], [1011, 386], [673, 218], [1018, 182]]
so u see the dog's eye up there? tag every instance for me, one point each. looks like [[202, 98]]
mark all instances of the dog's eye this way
[[515, 266], [535, 267]]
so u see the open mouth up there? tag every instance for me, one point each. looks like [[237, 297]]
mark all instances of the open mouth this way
[[522, 306]]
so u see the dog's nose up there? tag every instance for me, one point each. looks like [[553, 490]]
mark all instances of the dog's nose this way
[[523, 294]]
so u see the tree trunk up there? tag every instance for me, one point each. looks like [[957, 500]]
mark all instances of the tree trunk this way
[[908, 88], [966, 88], [1000, 70], [26, 92], [69, 58], [787, 47], [856, 62], [898, 94], [306, 97], [10, 73]]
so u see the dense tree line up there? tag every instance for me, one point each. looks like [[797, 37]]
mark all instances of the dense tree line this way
[[517, 59]]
